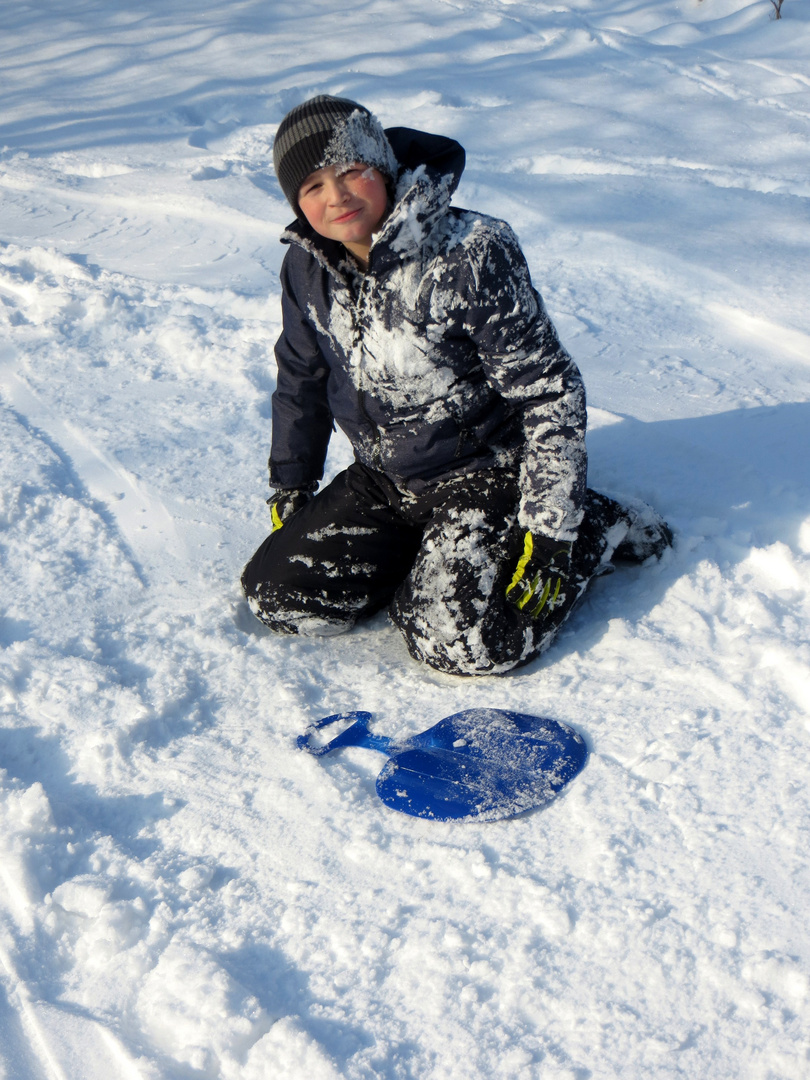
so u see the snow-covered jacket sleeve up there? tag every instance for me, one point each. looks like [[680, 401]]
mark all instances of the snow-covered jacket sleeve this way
[[525, 362], [302, 420]]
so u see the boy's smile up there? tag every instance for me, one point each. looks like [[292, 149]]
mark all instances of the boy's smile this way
[[347, 205]]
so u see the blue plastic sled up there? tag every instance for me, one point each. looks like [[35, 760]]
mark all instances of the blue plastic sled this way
[[481, 764]]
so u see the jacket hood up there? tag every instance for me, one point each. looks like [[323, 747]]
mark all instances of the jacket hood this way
[[440, 155], [430, 171]]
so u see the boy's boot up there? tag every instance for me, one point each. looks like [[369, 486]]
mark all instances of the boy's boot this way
[[647, 535]]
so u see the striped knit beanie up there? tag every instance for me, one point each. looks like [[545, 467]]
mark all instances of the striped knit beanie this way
[[328, 131]]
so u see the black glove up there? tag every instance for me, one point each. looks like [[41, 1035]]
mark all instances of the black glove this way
[[541, 575], [286, 502]]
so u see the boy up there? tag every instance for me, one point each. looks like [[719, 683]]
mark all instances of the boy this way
[[414, 326]]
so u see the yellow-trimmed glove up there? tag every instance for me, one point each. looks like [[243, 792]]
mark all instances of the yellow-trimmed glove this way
[[539, 582], [286, 502]]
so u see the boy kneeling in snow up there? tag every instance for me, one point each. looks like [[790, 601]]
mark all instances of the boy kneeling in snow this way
[[414, 326]]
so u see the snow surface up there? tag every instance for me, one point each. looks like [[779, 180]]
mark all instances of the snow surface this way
[[183, 893]]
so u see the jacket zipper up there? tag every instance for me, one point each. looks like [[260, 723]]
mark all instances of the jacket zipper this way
[[376, 454]]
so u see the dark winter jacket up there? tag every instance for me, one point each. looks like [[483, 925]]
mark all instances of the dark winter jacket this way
[[439, 359]]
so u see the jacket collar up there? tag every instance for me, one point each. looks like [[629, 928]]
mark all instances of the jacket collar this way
[[331, 255]]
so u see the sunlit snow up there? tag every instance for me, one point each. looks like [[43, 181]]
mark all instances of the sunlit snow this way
[[183, 893]]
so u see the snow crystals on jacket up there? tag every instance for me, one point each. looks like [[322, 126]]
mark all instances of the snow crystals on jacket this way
[[439, 360]]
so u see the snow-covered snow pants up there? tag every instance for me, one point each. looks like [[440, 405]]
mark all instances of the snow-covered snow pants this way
[[440, 560]]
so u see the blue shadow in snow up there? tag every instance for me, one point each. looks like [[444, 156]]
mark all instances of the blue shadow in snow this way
[[91, 57], [742, 475], [725, 483], [29, 757]]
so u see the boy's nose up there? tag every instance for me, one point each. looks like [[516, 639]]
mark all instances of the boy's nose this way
[[338, 190]]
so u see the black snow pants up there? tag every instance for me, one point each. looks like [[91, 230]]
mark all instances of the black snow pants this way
[[440, 561]]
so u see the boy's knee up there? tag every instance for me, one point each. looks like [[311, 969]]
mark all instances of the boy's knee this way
[[286, 608], [288, 598], [488, 646], [284, 612]]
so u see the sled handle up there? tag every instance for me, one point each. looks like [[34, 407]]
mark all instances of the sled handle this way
[[356, 735]]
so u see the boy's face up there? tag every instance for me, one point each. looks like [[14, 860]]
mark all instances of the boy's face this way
[[343, 204]]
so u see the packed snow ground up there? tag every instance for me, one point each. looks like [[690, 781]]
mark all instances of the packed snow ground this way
[[184, 894]]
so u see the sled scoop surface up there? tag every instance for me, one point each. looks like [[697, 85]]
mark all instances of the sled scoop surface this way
[[480, 764]]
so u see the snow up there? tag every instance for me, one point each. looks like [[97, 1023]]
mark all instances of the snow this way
[[183, 893]]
